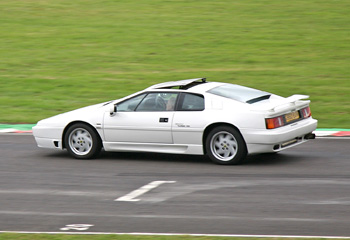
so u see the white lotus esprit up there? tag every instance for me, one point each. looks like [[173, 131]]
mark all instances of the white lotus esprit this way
[[224, 121]]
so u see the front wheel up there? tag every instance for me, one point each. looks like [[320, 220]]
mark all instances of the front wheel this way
[[225, 145], [82, 141]]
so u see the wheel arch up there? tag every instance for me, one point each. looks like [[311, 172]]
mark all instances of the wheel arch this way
[[214, 125], [77, 122]]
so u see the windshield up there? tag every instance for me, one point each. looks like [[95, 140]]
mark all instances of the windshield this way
[[240, 93]]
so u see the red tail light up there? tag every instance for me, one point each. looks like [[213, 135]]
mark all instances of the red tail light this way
[[275, 122], [288, 118], [306, 112]]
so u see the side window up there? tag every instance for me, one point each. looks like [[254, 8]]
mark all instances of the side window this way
[[130, 104], [191, 102], [160, 101]]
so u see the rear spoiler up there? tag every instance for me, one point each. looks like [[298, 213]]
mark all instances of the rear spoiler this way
[[180, 83], [289, 100]]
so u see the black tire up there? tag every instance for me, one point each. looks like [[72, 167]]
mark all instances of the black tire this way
[[225, 145], [82, 141]]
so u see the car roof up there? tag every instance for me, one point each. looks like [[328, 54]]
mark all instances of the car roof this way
[[181, 84]]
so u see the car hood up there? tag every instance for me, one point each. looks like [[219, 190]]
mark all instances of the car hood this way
[[87, 109], [82, 114]]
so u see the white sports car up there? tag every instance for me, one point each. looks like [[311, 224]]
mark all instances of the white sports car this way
[[224, 121]]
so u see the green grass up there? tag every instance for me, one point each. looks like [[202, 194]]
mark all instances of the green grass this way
[[15, 236], [56, 56]]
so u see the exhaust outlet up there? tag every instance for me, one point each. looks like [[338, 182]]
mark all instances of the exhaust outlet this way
[[310, 136]]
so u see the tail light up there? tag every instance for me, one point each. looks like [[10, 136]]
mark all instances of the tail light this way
[[306, 112], [275, 122], [288, 118]]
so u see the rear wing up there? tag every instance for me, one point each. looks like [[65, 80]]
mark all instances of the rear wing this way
[[182, 84], [292, 100]]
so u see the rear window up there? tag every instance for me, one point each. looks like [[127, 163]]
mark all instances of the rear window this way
[[240, 93], [191, 102]]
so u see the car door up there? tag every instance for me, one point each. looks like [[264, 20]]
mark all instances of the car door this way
[[146, 118], [189, 119]]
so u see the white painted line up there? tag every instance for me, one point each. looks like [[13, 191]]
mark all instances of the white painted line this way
[[58, 192], [7, 130], [16, 134], [78, 227], [181, 234], [324, 133], [334, 137], [132, 196]]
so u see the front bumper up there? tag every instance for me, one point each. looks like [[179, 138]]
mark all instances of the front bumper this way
[[48, 143], [48, 137]]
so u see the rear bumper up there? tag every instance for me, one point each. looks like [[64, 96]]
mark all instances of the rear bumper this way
[[264, 140]]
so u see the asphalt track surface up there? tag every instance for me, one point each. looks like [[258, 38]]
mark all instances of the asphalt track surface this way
[[301, 191]]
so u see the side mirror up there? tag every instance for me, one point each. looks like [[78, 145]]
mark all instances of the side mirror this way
[[113, 110]]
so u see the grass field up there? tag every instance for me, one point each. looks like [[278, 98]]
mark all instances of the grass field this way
[[56, 56]]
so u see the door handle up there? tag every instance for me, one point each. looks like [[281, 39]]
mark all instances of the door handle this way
[[163, 120]]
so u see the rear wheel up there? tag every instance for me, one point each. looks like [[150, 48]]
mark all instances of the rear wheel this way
[[82, 141], [225, 145]]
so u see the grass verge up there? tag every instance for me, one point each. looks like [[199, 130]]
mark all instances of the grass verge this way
[[57, 56]]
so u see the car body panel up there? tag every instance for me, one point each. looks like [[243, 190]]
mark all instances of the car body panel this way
[[141, 127], [186, 131], [183, 131]]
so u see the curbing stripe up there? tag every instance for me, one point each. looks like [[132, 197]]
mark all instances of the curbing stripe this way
[[342, 134], [16, 128], [335, 132], [7, 130]]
